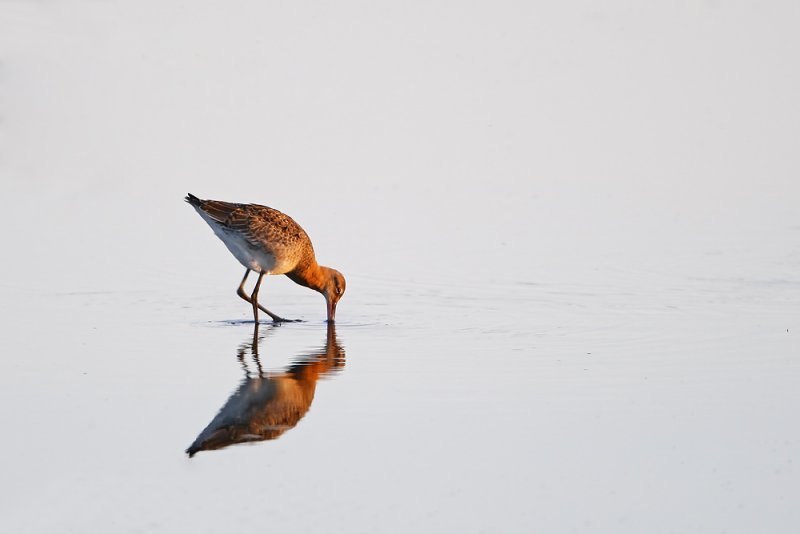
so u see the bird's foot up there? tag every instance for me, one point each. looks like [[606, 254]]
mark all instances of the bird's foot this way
[[279, 320]]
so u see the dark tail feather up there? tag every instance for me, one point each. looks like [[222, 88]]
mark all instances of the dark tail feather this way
[[193, 200]]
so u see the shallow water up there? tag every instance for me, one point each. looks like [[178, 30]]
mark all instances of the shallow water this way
[[481, 407], [568, 309]]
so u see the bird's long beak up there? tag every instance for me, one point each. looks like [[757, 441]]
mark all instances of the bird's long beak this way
[[331, 310]]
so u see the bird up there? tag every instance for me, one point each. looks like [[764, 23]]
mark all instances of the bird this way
[[268, 241]]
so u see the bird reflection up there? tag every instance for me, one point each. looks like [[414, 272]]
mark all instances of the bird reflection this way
[[267, 404]]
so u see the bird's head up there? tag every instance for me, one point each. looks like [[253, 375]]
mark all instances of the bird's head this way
[[333, 290]]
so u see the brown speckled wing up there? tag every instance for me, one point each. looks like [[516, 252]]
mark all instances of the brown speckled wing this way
[[220, 211], [264, 228], [267, 225]]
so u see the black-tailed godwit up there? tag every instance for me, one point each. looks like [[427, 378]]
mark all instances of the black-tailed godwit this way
[[267, 241]]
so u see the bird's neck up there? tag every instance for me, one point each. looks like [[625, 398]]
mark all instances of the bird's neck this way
[[310, 274]]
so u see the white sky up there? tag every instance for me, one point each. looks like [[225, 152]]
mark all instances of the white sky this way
[[558, 125]]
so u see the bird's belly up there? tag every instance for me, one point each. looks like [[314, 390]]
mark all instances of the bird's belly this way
[[253, 259], [257, 259]]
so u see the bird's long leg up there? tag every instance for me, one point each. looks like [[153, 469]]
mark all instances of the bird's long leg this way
[[240, 291], [246, 297], [254, 297]]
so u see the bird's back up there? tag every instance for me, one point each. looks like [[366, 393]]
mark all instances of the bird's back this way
[[257, 234]]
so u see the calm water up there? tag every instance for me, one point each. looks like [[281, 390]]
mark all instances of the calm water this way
[[571, 242], [650, 402]]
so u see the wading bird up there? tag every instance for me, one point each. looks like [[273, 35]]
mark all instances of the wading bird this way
[[267, 241]]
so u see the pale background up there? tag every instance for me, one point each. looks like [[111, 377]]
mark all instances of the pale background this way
[[570, 232]]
